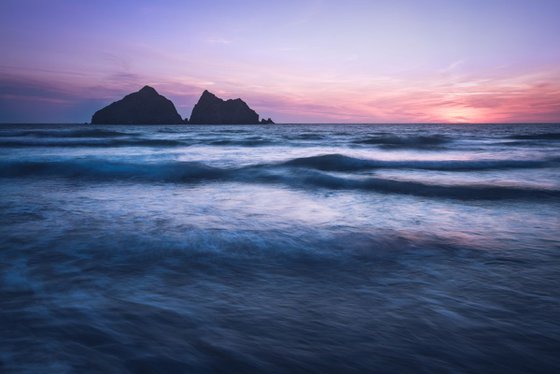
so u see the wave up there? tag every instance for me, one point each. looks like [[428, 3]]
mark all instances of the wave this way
[[247, 142], [306, 136], [130, 142], [82, 133], [134, 142], [383, 185], [105, 170], [391, 141], [338, 162], [543, 136], [194, 172]]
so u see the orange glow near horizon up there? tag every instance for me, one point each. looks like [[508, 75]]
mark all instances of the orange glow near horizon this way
[[461, 115], [439, 98]]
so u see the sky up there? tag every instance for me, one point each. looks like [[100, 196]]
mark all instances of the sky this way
[[293, 60]]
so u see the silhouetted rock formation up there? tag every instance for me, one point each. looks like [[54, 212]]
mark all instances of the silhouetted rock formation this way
[[210, 109], [267, 121], [145, 107]]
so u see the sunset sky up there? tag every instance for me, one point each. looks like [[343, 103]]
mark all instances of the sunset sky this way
[[304, 60]]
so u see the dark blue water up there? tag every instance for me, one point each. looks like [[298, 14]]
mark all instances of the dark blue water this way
[[309, 248]]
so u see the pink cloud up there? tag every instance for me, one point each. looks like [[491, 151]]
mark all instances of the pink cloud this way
[[442, 97]]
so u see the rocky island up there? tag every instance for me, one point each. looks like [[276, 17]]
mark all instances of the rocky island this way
[[145, 107], [210, 109], [148, 107]]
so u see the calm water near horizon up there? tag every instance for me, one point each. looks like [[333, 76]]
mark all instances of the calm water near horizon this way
[[286, 248]]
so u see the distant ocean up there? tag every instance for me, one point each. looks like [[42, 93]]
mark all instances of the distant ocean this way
[[286, 248]]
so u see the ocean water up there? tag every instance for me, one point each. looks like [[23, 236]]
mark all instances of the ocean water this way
[[287, 248]]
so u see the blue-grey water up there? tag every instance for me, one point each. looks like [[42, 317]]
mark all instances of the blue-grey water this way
[[287, 248]]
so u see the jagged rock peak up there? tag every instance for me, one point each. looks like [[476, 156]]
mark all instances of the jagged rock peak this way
[[148, 90], [144, 107], [210, 109], [267, 121]]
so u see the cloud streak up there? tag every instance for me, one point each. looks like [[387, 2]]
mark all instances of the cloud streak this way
[[523, 98]]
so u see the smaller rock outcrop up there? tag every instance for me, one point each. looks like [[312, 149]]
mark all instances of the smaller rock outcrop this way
[[267, 121], [210, 109], [145, 107]]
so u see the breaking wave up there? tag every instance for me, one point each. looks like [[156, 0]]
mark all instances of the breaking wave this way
[[338, 162], [105, 170], [302, 178]]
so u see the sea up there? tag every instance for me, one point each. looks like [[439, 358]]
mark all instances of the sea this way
[[339, 248]]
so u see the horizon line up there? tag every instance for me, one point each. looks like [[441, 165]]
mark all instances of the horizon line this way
[[285, 123]]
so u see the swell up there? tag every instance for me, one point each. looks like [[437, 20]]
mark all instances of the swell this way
[[132, 142], [82, 133], [135, 142], [306, 136], [105, 170], [252, 141], [338, 162], [543, 136], [391, 141], [310, 178], [194, 172]]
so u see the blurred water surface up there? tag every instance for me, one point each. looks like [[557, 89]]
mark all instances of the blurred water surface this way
[[288, 248]]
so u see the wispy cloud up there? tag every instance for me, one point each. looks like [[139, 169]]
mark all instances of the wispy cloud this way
[[218, 40], [452, 66], [499, 96]]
